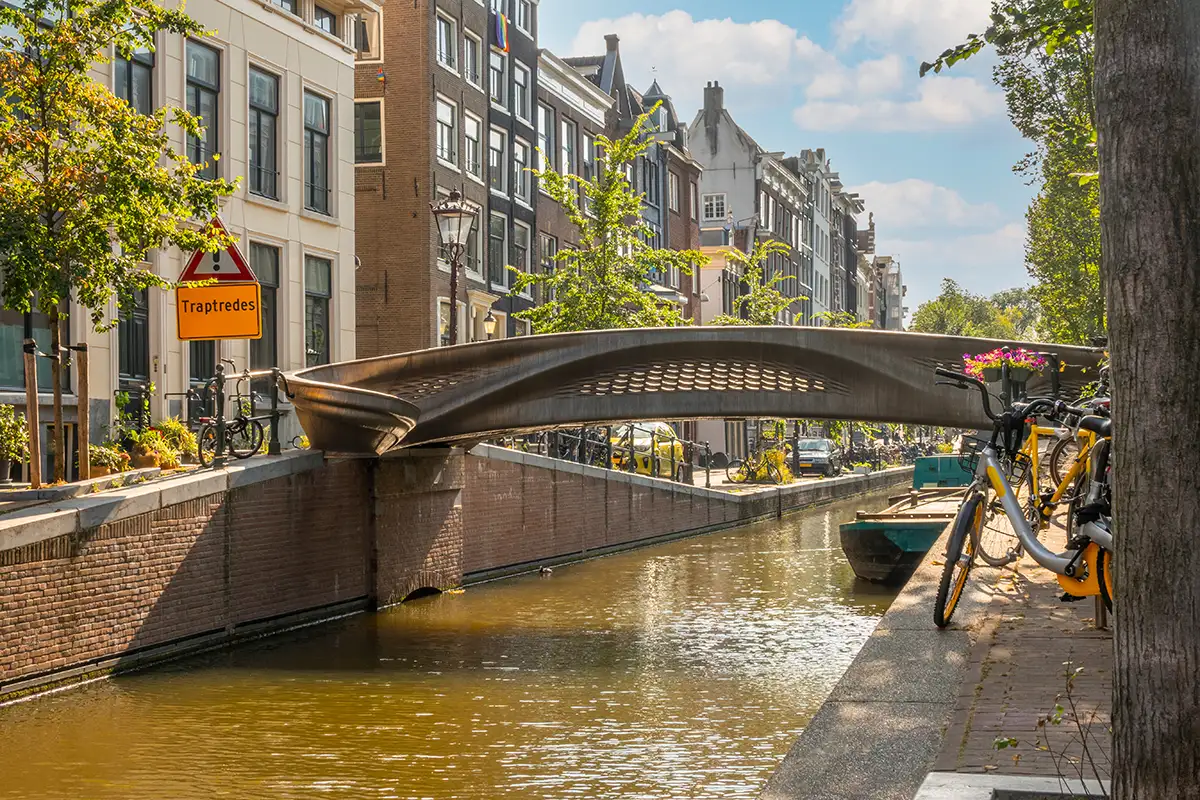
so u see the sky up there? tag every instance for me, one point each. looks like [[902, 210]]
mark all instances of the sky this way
[[932, 157]]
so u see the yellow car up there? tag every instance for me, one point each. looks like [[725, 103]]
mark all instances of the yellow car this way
[[665, 439]]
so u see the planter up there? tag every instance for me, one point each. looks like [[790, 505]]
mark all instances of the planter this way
[[100, 472], [991, 374], [143, 461], [862, 470], [1019, 374]]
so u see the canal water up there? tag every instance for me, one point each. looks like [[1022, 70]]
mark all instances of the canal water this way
[[684, 670]]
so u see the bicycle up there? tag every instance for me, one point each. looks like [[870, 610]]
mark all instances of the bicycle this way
[[1084, 569], [747, 470], [244, 434]]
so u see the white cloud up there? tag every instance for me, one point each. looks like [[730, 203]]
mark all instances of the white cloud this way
[[939, 102], [872, 78], [983, 263], [917, 28], [915, 203], [685, 53]]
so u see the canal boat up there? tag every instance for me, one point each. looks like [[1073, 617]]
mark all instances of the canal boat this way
[[886, 546]]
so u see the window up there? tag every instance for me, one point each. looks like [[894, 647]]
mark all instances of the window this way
[[447, 132], [316, 153], [498, 6], [569, 166], [318, 287], [547, 248], [695, 202], [15, 328], [520, 246], [325, 20], [589, 168], [651, 183], [521, 179], [521, 91], [202, 361], [471, 47], [447, 40], [365, 24], [545, 134], [368, 132], [133, 340], [497, 161], [714, 206], [473, 150], [673, 190], [473, 255], [203, 90], [264, 262], [497, 247], [496, 77], [521, 327], [287, 5], [132, 80], [524, 15], [264, 126]]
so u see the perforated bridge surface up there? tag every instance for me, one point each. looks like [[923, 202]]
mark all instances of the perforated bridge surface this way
[[480, 390]]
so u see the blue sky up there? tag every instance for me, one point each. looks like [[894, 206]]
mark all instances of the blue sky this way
[[932, 157]]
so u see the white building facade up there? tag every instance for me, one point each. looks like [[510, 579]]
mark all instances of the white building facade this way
[[274, 84]]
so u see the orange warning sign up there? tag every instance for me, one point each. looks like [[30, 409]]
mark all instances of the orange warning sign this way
[[219, 311]]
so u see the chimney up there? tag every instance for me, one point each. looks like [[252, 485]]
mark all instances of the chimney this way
[[714, 104], [612, 40]]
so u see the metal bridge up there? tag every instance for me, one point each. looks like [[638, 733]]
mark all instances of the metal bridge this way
[[488, 389]]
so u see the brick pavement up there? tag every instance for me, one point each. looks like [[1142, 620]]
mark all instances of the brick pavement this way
[[1017, 674]]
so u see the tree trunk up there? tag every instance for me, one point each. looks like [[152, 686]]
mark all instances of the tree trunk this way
[[1148, 105], [56, 373]]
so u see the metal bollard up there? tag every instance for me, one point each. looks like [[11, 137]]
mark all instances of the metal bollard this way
[[653, 454], [673, 465], [219, 379], [707, 466], [274, 448], [608, 447]]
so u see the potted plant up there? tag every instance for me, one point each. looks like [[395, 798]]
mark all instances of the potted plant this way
[[14, 440], [179, 439], [106, 459], [862, 468], [988, 367], [149, 449]]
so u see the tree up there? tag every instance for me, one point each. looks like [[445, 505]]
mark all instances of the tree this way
[[762, 303], [89, 185], [1050, 97], [842, 319], [1148, 119], [602, 283], [956, 312]]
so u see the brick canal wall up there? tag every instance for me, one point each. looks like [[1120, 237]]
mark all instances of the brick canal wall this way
[[113, 581]]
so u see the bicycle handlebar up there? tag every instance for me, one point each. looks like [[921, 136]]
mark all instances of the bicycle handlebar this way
[[964, 378]]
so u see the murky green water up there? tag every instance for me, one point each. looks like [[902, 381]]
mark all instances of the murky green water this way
[[679, 671]]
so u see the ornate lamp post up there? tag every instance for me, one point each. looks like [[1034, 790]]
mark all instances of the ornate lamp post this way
[[455, 219], [489, 324]]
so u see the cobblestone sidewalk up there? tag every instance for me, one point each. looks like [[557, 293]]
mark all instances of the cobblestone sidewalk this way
[[1017, 674]]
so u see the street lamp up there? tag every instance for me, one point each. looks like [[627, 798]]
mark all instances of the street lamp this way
[[489, 324], [455, 220]]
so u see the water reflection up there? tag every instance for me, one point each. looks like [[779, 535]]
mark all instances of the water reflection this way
[[679, 671]]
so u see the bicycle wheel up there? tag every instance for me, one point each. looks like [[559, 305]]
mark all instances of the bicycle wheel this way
[[774, 473], [960, 556], [245, 440], [1062, 457], [735, 471], [1104, 578], [994, 540], [206, 445]]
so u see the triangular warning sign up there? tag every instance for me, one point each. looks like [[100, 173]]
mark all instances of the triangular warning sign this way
[[226, 265]]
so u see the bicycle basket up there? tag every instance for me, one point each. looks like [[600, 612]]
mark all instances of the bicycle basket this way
[[1018, 469], [968, 457]]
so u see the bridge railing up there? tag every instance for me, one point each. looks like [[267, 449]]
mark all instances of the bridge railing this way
[[599, 447]]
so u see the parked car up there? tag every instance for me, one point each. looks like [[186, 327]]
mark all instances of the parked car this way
[[642, 434], [819, 457]]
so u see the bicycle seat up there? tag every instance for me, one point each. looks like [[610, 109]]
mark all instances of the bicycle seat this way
[[1100, 426]]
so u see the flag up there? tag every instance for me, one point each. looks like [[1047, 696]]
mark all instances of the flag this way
[[502, 32]]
